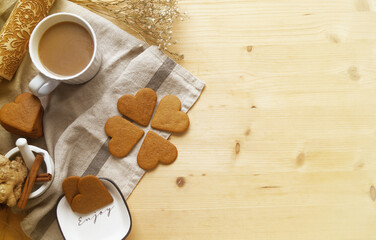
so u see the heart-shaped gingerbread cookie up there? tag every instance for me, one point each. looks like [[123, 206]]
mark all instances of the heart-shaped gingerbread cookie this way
[[139, 108], [24, 116], [168, 116], [70, 187], [92, 195], [156, 149], [125, 136]]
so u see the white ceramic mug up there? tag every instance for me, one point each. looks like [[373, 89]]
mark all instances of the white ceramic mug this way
[[45, 82]]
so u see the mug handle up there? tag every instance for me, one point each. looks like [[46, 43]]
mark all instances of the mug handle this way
[[42, 86]]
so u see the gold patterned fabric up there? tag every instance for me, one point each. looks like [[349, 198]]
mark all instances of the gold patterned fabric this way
[[15, 35]]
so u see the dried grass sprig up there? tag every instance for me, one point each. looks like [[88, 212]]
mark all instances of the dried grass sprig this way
[[151, 20]]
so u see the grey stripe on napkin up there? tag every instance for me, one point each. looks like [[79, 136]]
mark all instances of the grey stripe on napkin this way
[[96, 164], [162, 73]]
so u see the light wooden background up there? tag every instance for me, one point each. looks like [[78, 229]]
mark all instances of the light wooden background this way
[[282, 142]]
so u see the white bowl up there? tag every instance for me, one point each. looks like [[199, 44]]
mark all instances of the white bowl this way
[[47, 161]]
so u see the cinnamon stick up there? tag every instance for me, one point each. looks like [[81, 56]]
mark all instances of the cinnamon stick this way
[[30, 180], [44, 177]]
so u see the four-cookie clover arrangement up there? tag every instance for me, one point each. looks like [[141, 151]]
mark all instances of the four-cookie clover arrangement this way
[[139, 108]]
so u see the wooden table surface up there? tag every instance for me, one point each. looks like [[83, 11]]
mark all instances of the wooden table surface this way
[[282, 142]]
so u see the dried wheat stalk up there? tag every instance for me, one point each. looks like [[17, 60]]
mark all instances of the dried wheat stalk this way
[[152, 20]]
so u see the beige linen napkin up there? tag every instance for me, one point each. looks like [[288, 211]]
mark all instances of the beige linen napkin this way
[[76, 114]]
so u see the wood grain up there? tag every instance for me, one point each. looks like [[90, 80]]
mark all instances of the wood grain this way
[[282, 141]]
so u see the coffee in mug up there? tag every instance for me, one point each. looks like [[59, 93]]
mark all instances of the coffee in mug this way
[[65, 48]]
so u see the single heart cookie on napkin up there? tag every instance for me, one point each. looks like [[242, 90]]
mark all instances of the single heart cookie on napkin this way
[[124, 134], [168, 116], [139, 108], [24, 116], [156, 149], [70, 187], [86, 194]]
